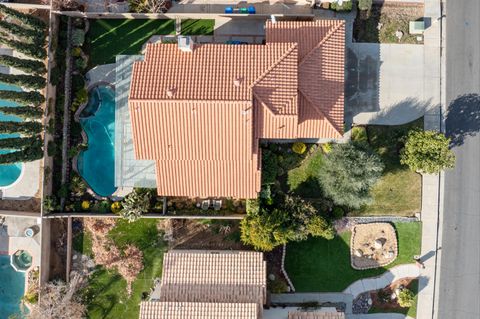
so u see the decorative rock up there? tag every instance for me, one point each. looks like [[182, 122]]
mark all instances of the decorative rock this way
[[74, 257], [399, 35], [397, 291], [271, 277], [393, 296], [370, 301], [379, 26], [379, 242], [358, 253], [90, 264]]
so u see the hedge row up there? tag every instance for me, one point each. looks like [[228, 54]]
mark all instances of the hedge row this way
[[28, 66], [17, 143], [29, 34], [25, 112], [26, 19], [27, 81], [28, 128], [27, 154], [29, 49], [24, 98]]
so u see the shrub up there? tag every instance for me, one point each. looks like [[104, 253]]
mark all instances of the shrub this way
[[349, 172], [81, 97], [270, 167], [406, 298], [327, 148], [26, 19], [25, 112], [28, 66], [78, 82], [135, 204], [277, 286], [28, 81], [427, 152], [51, 148], [77, 185], [18, 142], [85, 205], [346, 6], [29, 49], [359, 134], [19, 31], [78, 37], [55, 75], [116, 207], [29, 128], [76, 52], [364, 5], [299, 147], [337, 212], [49, 204], [102, 207], [80, 63], [31, 97], [28, 154]]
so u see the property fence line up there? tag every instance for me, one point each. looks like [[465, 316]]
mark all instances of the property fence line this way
[[110, 215], [132, 15], [26, 6]]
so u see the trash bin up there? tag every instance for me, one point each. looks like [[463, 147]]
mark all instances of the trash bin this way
[[228, 10], [251, 10], [243, 10]]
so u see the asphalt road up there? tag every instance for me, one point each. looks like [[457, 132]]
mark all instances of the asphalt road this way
[[459, 287]]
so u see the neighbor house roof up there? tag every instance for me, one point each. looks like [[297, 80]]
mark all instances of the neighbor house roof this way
[[197, 310], [315, 315], [200, 114], [214, 276]]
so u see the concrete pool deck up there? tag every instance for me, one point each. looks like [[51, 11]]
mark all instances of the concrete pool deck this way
[[12, 238]]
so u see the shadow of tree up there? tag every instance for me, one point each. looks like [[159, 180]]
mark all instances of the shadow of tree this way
[[463, 118]]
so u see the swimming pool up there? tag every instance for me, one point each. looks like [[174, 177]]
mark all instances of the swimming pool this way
[[12, 288], [11, 172], [96, 164]]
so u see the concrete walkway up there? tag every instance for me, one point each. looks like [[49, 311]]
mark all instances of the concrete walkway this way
[[379, 316], [297, 298], [375, 283]]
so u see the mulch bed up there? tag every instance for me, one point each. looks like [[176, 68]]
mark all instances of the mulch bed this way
[[391, 305]]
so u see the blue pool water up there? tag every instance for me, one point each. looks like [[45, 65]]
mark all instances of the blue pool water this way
[[96, 164], [9, 173], [12, 288]]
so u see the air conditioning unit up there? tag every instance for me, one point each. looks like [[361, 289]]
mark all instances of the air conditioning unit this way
[[185, 43]]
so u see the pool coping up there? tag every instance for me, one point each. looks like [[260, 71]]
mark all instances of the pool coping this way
[[18, 180], [76, 117]]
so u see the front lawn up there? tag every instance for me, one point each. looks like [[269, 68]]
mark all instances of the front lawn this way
[[320, 265], [399, 190], [108, 38], [198, 27], [106, 295]]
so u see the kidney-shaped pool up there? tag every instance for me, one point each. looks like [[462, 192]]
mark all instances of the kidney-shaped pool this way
[[96, 163]]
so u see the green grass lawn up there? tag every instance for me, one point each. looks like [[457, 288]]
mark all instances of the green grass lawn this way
[[82, 243], [106, 295], [411, 311], [108, 38], [320, 265], [398, 192], [198, 27]]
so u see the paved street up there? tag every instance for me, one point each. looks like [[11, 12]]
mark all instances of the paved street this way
[[460, 265]]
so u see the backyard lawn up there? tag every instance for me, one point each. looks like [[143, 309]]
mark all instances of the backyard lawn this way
[[108, 38], [320, 265], [106, 295], [399, 190]]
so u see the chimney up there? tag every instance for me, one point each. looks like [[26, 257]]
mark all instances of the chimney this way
[[237, 82], [170, 92], [185, 43]]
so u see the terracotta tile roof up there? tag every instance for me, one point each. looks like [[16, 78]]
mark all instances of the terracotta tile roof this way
[[218, 276], [315, 315], [197, 310], [200, 114]]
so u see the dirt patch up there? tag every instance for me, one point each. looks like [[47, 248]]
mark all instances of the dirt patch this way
[[58, 249], [29, 205], [382, 299], [203, 234], [384, 21], [373, 245]]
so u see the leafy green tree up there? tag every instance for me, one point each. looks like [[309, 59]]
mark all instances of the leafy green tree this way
[[15, 143], [294, 220], [348, 173], [427, 152], [28, 66], [28, 154], [23, 80], [136, 204], [34, 36], [364, 5], [26, 19], [28, 128], [270, 167], [25, 112], [29, 49], [31, 97]]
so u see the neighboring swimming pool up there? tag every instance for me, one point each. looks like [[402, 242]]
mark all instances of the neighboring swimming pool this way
[[11, 172], [96, 164], [12, 288]]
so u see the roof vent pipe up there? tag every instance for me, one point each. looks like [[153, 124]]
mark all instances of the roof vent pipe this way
[[237, 82], [170, 92]]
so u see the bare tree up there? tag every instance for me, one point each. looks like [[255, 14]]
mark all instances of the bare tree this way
[[59, 300], [63, 5], [150, 6]]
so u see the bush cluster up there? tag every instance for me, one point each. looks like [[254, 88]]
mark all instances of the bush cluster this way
[[29, 49], [25, 112], [34, 98], [28, 128], [28, 154], [346, 6], [26, 19], [15, 143], [33, 36], [28, 81], [29, 66]]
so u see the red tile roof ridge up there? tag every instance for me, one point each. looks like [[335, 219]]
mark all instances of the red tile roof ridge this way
[[293, 46], [325, 39], [270, 111], [328, 120]]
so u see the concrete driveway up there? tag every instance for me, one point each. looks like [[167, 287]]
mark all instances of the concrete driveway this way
[[385, 83]]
